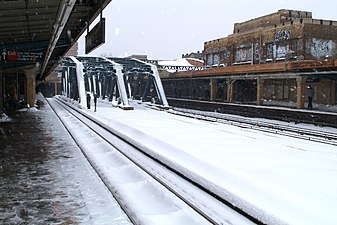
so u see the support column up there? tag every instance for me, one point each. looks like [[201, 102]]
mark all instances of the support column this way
[[259, 94], [55, 88], [30, 92], [230, 90], [214, 87], [333, 93], [1, 94], [300, 92]]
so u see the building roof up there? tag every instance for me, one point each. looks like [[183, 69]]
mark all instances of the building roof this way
[[39, 33]]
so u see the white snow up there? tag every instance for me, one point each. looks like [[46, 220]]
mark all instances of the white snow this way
[[4, 118], [177, 62], [276, 178], [143, 197]]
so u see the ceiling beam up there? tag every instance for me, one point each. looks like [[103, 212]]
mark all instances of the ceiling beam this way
[[62, 17]]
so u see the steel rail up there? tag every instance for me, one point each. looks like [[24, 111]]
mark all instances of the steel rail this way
[[168, 183], [274, 127]]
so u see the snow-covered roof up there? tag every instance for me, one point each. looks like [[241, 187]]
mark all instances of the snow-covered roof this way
[[177, 62], [180, 64]]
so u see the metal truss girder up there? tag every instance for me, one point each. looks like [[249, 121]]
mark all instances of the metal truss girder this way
[[179, 68], [116, 78]]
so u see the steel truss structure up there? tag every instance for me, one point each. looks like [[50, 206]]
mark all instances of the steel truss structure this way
[[112, 79]]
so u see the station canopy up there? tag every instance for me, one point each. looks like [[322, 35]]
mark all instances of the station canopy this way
[[40, 32]]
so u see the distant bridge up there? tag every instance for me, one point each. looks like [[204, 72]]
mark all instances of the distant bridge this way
[[114, 79]]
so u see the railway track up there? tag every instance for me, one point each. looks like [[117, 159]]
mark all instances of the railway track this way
[[166, 190], [265, 126], [318, 118]]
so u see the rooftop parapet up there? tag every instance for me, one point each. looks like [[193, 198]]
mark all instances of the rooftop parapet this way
[[283, 24], [280, 17]]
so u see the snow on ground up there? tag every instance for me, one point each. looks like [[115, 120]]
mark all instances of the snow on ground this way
[[44, 177], [290, 104], [4, 118], [144, 198], [290, 179]]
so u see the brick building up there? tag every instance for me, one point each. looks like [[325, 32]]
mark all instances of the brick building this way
[[269, 60], [284, 35], [195, 55]]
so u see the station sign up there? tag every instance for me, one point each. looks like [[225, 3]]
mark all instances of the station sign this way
[[10, 55], [95, 37]]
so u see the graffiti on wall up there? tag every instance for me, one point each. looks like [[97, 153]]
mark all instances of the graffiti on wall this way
[[243, 55], [258, 51], [210, 59], [282, 48], [227, 54], [278, 51], [216, 60], [322, 48], [283, 51], [282, 35], [270, 51]]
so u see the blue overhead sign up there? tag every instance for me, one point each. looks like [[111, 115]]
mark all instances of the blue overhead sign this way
[[25, 53], [10, 55]]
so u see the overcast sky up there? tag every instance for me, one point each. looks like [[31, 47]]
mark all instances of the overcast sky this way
[[166, 29]]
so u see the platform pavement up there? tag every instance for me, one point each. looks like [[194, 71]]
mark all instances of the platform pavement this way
[[44, 178]]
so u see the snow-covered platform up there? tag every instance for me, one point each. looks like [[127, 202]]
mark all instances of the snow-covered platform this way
[[45, 179], [288, 180]]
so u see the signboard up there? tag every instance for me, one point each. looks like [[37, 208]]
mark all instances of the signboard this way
[[95, 37], [10, 55]]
